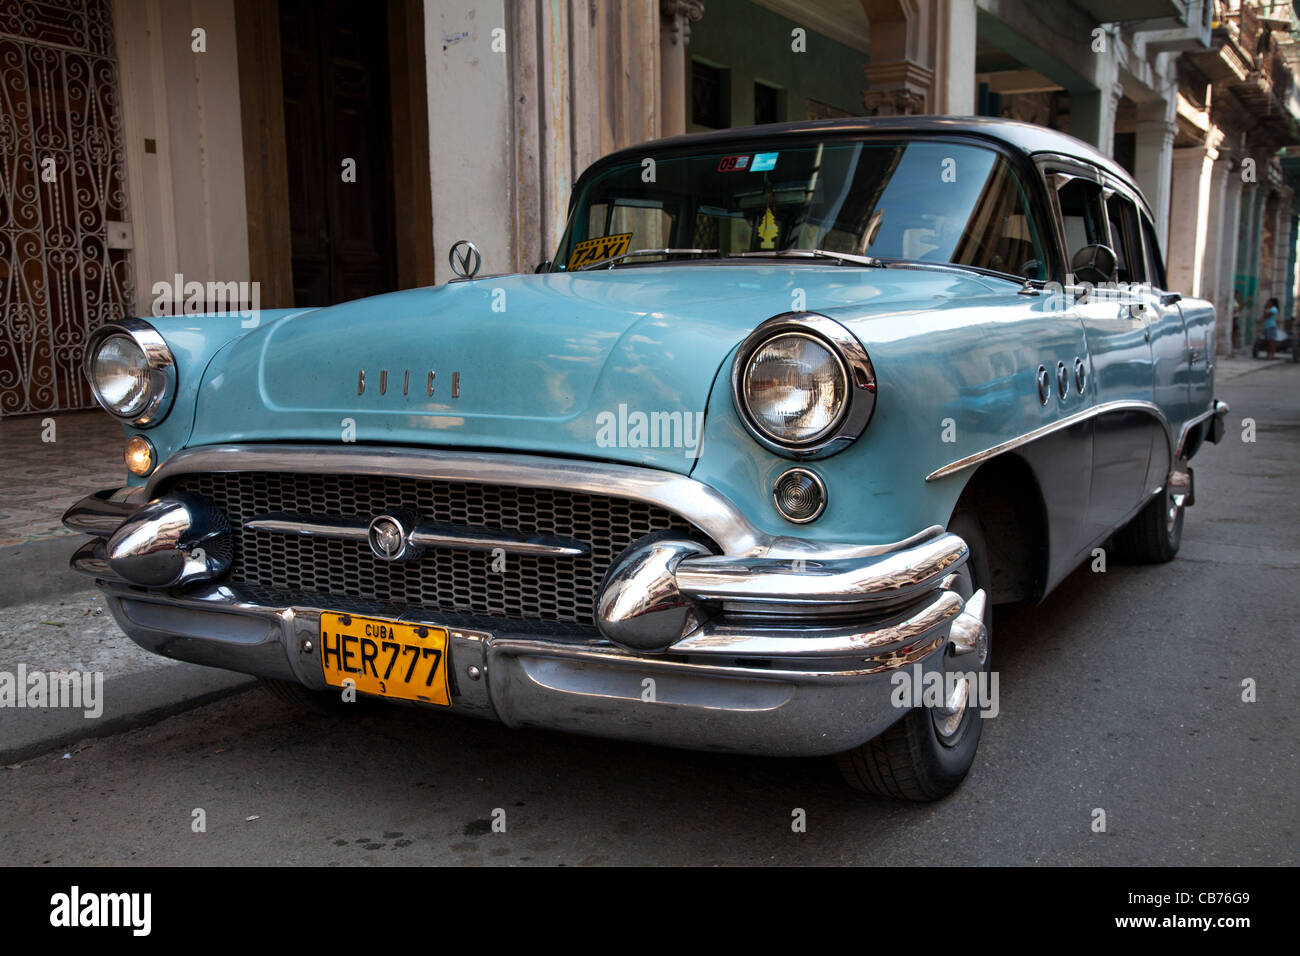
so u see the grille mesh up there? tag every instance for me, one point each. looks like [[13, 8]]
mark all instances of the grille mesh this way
[[531, 587]]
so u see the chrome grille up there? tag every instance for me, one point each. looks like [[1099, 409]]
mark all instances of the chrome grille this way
[[529, 588]]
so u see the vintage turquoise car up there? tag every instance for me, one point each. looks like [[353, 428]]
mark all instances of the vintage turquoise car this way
[[744, 468]]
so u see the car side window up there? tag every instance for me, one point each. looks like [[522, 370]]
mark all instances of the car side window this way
[[1081, 215], [1125, 235], [1155, 264]]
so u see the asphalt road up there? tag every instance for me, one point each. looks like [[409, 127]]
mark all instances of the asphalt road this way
[[1122, 692]]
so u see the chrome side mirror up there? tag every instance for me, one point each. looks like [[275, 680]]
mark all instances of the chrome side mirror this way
[[1095, 264]]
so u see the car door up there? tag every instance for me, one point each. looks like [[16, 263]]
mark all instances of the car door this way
[[1161, 311], [1185, 374], [1117, 369]]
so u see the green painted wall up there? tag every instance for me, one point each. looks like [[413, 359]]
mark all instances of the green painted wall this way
[[753, 43]]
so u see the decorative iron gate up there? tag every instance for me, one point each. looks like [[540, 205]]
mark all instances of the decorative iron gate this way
[[62, 181]]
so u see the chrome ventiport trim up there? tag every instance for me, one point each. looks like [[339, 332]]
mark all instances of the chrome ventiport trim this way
[[424, 534], [161, 368], [1104, 408], [705, 508], [859, 375]]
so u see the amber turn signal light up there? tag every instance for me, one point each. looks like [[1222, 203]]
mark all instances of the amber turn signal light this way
[[139, 455]]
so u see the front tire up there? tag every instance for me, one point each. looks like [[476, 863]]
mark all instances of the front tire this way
[[928, 753]]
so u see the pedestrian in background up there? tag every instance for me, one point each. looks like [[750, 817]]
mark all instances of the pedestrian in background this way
[[1268, 326]]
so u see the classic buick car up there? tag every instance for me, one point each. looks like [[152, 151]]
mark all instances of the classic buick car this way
[[792, 408]]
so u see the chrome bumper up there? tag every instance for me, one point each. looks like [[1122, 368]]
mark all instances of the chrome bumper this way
[[795, 658]]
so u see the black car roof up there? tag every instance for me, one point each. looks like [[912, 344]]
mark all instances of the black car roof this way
[[1024, 137]]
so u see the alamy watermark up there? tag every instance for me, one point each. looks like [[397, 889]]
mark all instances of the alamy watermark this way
[[921, 688], [637, 429], [75, 689], [179, 297]]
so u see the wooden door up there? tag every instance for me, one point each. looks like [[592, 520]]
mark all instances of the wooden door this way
[[338, 143]]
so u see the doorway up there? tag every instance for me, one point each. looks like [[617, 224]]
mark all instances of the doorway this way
[[338, 136]]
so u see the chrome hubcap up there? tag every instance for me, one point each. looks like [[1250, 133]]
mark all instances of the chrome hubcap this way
[[948, 717], [1173, 505]]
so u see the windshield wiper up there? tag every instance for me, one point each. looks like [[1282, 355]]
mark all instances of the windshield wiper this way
[[840, 257], [643, 252], [960, 267]]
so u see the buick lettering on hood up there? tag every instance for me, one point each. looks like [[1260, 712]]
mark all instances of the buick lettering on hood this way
[[754, 456]]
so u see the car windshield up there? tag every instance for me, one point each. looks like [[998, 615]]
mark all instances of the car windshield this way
[[928, 201]]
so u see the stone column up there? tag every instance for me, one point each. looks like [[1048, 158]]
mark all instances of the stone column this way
[[1229, 229], [1251, 236], [674, 36], [954, 60], [1288, 291], [1189, 219], [1283, 242], [1092, 111], [1154, 160], [899, 80], [1218, 287]]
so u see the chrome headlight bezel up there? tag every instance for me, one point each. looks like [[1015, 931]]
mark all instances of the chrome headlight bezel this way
[[860, 395], [160, 367]]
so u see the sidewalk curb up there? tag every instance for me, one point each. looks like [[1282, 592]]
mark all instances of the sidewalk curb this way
[[39, 569], [129, 701]]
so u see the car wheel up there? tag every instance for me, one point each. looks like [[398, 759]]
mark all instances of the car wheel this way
[[329, 702], [1154, 535], [928, 753]]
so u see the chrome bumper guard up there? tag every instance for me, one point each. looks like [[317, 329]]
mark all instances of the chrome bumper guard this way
[[788, 656]]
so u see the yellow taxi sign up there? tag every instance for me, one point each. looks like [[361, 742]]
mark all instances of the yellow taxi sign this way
[[602, 247]]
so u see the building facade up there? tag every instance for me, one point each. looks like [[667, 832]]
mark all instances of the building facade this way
[[220, 154]]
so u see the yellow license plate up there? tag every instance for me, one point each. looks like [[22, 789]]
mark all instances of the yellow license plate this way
[[602, 247], [385, 658]]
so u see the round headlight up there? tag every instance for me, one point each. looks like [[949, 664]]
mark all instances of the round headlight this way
[[795, 388], [120, 373], [803, 385], [131, 371]]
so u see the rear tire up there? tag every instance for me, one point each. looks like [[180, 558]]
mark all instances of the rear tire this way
[[912, 760], [1153, 537]]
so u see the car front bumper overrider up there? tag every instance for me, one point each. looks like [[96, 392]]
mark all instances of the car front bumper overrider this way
[[784, 656]]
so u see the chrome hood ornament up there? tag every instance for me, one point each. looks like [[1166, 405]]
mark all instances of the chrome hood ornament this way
[[465, 259]]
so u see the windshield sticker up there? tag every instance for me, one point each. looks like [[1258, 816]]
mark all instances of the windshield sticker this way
[[602, 247], [763, 162], [733, 164], [767, 230]]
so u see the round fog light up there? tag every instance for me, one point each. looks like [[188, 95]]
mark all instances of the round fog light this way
[[139, 455], [800, 495]]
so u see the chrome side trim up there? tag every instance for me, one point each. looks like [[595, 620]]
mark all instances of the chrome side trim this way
[[426, 534], [1068, 421], [695, 501]]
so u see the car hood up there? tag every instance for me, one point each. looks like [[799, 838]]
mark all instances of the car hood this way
[[602, 364]]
